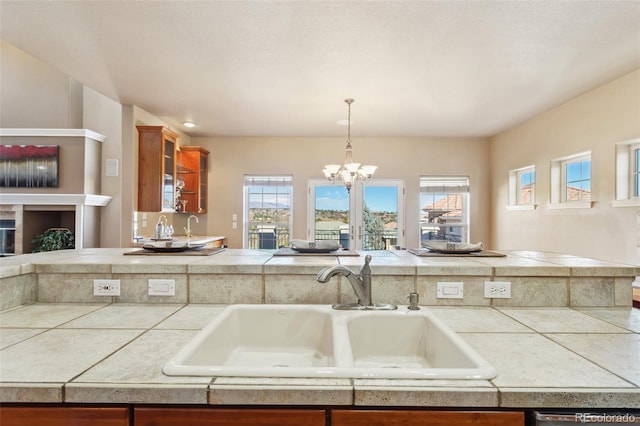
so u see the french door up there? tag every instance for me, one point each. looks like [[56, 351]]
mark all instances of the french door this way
[[371, 217]]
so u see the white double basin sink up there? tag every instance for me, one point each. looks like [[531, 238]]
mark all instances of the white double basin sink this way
[[317, 341]]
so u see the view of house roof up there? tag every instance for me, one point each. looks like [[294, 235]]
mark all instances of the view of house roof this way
[[450, 203]]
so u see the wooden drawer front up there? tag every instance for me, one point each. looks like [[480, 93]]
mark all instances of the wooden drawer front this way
[[64, 416], [425, 418], [227, 417]]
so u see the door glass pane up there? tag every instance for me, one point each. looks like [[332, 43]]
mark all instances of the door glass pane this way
[[168, 186], [332, 214], [379, 217]]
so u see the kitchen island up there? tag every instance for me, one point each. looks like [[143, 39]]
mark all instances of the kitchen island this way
[[567, 338]]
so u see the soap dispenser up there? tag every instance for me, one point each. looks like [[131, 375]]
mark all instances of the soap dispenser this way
[[161, 228]]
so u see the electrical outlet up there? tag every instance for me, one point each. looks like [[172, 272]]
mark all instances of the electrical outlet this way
[[497, 289], [161, 287], [106, 287], [449, 290]]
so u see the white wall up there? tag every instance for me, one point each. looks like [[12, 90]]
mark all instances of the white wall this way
[[594, 122]]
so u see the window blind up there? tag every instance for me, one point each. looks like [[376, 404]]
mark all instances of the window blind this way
[[443, 184]]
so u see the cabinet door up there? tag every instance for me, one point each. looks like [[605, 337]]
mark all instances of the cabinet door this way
[[156, 168], [425, 418], [193, 170], [64, 416], [227, 417]]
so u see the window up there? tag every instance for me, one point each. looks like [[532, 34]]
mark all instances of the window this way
[[522, 188], [444, 208], [571, 181], [576, 178], [370, 218], [627, 173], [635, 170], [267, 211]]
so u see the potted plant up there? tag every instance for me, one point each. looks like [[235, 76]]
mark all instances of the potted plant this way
[[54, 239]]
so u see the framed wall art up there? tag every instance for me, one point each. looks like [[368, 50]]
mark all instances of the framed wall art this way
[[29, 166]]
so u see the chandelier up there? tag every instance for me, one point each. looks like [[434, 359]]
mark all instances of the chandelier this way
[[349, 172]]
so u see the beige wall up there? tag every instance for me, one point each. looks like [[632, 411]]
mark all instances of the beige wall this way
[[104, 116], [304, 158], [594, 122], [34, 94]]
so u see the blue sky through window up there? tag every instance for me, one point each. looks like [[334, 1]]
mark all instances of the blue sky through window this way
[[579, 175], [378, 198]]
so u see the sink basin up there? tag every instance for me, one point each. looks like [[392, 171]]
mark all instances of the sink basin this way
[[261, 341], [411, 344], [173, 246], [317, 341]]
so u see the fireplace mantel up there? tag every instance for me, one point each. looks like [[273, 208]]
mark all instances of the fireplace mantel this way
[[55, 199], [80, 133]]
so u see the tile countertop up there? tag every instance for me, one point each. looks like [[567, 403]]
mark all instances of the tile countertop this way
[[113, 353]]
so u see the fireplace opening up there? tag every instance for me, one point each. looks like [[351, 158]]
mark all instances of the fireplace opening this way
[[7, 237], [35, 222]]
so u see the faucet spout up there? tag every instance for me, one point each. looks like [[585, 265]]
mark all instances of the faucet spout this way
[[187, 230], [361, 283]]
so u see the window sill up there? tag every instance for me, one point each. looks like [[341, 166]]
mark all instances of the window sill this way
[[522, 207], [571, 205], [629, 202]]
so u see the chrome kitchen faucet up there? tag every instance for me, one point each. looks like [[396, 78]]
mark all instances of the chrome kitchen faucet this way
[[361, 284]]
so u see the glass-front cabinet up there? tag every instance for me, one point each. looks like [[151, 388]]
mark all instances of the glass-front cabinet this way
[[156, 169], [192, 175]]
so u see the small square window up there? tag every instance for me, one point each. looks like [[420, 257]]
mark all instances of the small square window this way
[[576, 180], [571, 181], [522, 188]]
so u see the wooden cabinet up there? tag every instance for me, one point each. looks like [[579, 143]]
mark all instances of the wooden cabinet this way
[[64, 416], [156, 168], [193, 168], [425, 418], [227, 417]]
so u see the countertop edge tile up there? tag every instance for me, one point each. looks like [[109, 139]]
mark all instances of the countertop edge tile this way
[[425, 396], [31, 392], [569, 397], [126, 393], [280, 395]]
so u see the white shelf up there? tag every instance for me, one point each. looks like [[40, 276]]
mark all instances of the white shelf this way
[[76, 133]]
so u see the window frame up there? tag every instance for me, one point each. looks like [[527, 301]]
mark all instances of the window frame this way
[[271, 180], [515, 189], [627, 169], [559, 182], [447, 185], [356, 207], [634, 171]]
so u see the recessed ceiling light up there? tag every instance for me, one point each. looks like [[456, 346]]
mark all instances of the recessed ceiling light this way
[[189, 124]]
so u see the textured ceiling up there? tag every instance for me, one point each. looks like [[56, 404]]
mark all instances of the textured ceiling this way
[[268, 68]]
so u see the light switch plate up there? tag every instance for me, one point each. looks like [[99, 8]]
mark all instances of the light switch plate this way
[[162, 287], [449, 290]]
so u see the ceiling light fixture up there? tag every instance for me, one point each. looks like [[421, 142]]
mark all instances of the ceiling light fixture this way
[[349, 172], [189, 124]]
